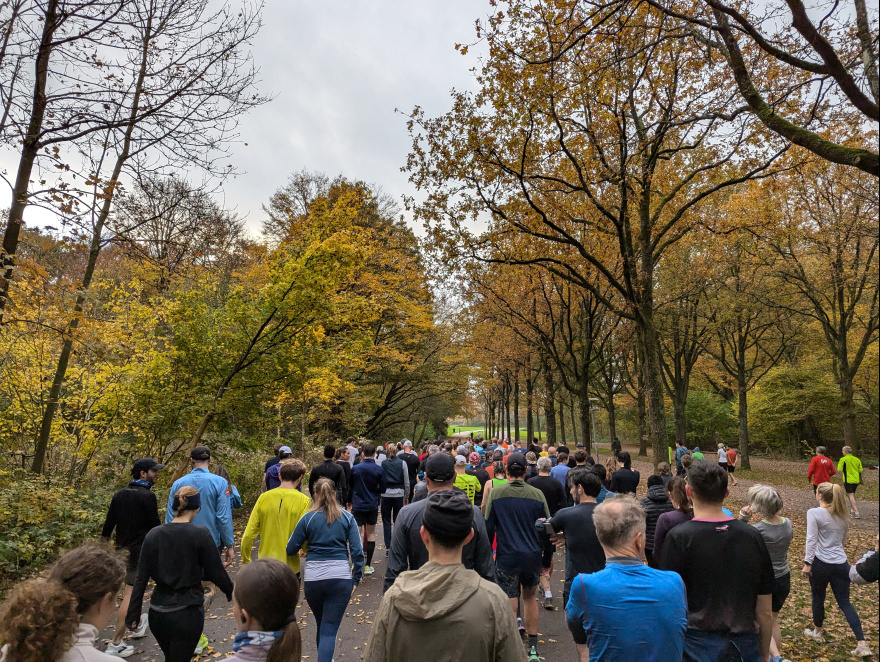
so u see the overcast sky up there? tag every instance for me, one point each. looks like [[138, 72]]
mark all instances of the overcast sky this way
[[338, 69]]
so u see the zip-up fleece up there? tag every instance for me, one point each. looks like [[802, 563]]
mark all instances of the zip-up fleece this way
[[367, 479]]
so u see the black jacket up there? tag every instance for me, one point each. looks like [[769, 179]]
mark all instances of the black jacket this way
[[329, 469], [349, 486], [624, 481], [133, 512], [655, 504]]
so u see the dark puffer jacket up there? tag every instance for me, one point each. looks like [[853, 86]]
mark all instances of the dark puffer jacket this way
[[655, 504]]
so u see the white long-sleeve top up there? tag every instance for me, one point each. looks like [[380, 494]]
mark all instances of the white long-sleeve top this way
[[825, 536]]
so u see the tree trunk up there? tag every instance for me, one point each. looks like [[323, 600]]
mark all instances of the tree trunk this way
[[574, 427], [612, 418], [538, 421], [642, 408], [654, 392], [742, 395], [585, 414], [94, 250], [679, 401], [848, 416], [550, 420], [530, 422], [561, 424], [29, 149], [550, 404], [196, 438], [516, 408]]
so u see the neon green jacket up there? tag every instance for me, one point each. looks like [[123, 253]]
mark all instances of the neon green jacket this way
[[273, 519], [850, 467]]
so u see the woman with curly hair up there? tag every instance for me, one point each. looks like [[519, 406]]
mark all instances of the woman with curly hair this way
[[59, 616]]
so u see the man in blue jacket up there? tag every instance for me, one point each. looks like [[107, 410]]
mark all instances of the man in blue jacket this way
[[216, 511], [367, 479]]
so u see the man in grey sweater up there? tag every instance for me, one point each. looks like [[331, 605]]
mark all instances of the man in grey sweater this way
[[408, 551]]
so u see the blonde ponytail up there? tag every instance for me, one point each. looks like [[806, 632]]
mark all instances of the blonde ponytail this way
[[325, 500], [835, 497]]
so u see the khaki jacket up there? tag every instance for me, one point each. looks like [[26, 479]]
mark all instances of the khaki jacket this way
[[444, 613]]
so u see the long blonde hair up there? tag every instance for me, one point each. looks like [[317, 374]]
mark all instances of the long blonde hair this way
[[835, 497], [325, 500], [611, 465]]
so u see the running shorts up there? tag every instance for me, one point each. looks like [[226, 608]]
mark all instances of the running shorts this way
[[850, 487], [510, 580], [547, 556], [781, 589], [731, 468], [362, 517]]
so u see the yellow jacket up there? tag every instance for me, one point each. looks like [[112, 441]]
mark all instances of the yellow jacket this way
[[274, 518]]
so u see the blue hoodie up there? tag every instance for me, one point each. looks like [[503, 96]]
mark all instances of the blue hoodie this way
[[367, 479]]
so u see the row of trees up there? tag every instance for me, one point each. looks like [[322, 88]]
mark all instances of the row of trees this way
[[625, 216]]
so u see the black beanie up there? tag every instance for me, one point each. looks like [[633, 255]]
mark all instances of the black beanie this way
[[448, 513]]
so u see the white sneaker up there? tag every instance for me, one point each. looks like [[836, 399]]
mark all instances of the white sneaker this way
[[815, 635], [141, 632], [862, 650], [119, 650]]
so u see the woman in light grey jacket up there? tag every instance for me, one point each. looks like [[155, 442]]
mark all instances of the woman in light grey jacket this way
[[59, 617]]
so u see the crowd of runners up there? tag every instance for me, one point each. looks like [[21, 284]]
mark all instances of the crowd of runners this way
[[469, 533]]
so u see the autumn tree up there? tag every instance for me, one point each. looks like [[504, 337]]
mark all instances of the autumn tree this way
[[176, 96], [803, 79], [821, 223], [600, 154]]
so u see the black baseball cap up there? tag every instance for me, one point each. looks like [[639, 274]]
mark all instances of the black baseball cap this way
[[518, 459], [440, 467], [145, 464], [201, 453]]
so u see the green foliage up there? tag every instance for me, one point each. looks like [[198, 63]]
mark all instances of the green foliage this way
[[794, 408], [709, 416], [39, 517]]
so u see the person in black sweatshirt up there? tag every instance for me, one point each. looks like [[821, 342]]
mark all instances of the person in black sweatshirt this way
[[329, 469], [177, 557], [132, 513], [343, 457]]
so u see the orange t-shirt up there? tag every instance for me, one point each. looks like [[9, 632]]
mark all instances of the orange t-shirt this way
[[731, 457]]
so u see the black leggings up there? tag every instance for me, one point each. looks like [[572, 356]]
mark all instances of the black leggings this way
[[178, 632], [836, 574], [390, 508]]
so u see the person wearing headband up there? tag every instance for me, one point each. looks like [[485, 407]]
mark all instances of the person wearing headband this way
[[177, 556]]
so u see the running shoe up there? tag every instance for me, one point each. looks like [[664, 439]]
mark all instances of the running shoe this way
[[533, 655], [548, 603], [119, 650], [520, 624], [856, 516], [368, 570], [141, 631], [203, 642], [862, 650], [815, 635]]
